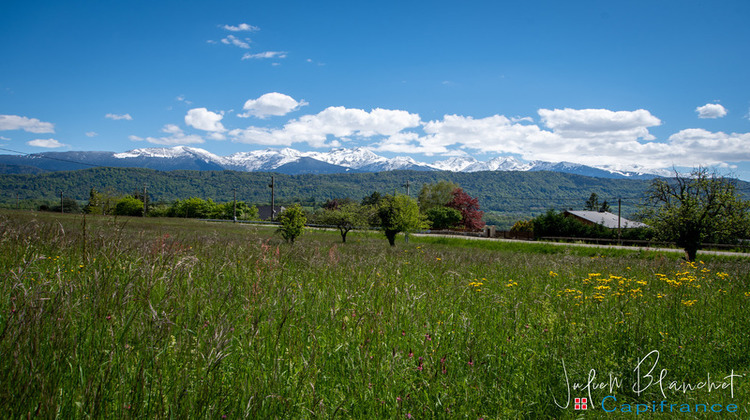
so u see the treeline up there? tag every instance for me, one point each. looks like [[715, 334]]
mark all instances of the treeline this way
[[137, 204], [500, 193]]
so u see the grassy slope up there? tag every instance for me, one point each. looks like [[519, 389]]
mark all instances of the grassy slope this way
[[157, 318]]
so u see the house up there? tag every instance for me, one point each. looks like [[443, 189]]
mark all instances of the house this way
[[267, 213], [605, 219]]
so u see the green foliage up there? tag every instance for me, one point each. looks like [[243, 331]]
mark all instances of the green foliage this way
[[525, 226], [435, 195], [699, 208], [292, 222], [129, 206], [346, 217], [400, 214], [68, 206], [442, 217], [554, 223]]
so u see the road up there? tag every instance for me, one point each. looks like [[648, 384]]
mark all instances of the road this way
[[630, 248]]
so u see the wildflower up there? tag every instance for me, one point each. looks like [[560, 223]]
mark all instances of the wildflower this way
[[552, 274], [427, 336], [471, 362]]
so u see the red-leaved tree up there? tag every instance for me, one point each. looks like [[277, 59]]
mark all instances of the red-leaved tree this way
[[471, 216]]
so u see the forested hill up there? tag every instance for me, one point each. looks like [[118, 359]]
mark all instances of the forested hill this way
[[502, 192]]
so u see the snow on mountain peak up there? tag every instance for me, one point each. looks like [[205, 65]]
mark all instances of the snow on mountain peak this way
[[364, 159]]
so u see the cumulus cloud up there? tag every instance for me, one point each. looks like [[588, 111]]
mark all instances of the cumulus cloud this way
[[205, 120], [338, 122], [271, 104], [91, 134], [242, 27], [233, 40], [31, 125], [593, 137], [696, 146], [266, 54], [119, 117], [175, 137], [711, 111], [46, 143]]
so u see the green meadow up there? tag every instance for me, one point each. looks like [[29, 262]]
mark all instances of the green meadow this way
[[172, 318]]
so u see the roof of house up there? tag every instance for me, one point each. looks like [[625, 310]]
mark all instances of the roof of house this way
[[606, 219]]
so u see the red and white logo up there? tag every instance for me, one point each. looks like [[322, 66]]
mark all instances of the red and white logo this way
[[581, 403]]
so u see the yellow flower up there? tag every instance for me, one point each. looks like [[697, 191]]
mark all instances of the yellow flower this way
[[689, 302], [552, 274]]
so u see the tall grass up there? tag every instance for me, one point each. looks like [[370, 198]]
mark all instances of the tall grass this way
[[164, 318]]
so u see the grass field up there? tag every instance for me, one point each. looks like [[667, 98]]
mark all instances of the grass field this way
[[154, 318]]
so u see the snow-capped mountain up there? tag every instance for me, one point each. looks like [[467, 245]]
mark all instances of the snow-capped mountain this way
[[262, 160], [291, 161]]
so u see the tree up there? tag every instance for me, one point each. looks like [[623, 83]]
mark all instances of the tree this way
[[372, 199], [592, 204], [346, 217], [433, 195], [442, 217], [399, 214], [292, 222], [698, 208], [129, 206], [471, 216]]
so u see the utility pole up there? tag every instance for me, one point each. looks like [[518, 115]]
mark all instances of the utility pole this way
[[619, 212], [234, 206], [272, 185], [407, 187], [145, 201], [62, 209]]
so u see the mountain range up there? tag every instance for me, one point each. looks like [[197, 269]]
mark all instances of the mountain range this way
[[286, 161]]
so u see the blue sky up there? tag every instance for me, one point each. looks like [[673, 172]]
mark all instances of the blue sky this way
[[629, 84]]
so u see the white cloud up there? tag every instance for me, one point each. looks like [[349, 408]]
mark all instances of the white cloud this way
[[119, 117], [338, 122], [46, 143], [711, 111], [205, 120], [242, 27], [31, 125], [91, 134], [271, 104], [599, 122], [233, 40], [181, 98], [4, 138], [594, 137], [696, 146], [266, 54], [176, 137]]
